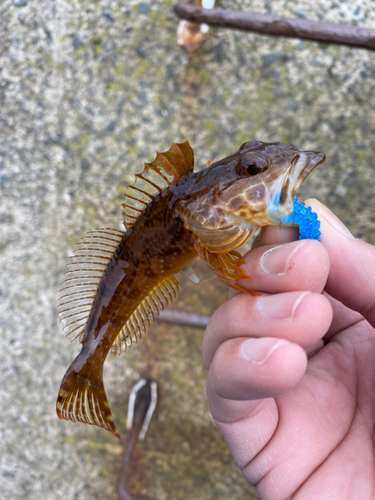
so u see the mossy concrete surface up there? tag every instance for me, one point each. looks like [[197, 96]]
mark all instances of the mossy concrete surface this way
[[89, 91]]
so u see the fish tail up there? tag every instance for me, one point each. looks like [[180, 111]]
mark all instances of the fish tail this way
[[81, 399]]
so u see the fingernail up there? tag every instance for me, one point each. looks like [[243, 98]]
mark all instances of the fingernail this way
[[281, 305], [334, 221], [276, 260], [259, 350]]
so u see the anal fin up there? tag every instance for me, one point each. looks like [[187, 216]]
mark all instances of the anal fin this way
[[149, 309]]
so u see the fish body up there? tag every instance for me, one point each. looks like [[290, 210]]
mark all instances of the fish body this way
[[149, 253], [118, 282]]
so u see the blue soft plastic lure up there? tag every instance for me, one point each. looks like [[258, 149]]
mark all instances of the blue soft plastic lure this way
[[307, 221]]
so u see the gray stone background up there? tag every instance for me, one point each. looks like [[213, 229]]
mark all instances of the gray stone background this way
[[89, 90]]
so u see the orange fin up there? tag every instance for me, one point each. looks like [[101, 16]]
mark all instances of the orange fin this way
[[79, 400], [162, 295], [168, 167], [85, 272], [226, 266], [210, 162]]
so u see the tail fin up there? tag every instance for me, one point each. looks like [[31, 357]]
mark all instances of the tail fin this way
[[81, 400]]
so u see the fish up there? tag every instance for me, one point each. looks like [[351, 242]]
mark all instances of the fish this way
[[118, 282]]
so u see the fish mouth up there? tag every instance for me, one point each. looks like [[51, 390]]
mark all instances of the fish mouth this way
[[312, 160], [299, 169]]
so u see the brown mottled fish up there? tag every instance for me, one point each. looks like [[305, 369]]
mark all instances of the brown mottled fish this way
[[118, 282]]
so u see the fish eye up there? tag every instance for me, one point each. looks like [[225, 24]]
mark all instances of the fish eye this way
[[252, 164], [254, 169]]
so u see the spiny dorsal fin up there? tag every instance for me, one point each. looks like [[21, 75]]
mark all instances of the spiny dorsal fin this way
[[85, 272], [168, 167], [161, 296]]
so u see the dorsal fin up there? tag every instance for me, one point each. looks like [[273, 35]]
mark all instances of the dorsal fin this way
[[161, 296], [85, 272], [168, 167]]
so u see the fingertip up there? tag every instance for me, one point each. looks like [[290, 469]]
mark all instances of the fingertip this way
[[271, 235], [249, 369], [314, 204], [331, 225], [291, 266], [301, 317], [319, 310], [350, 279], [258, 351]]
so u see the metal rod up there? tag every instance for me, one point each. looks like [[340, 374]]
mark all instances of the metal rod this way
[[142, 403], [339, 34], [184, 318]]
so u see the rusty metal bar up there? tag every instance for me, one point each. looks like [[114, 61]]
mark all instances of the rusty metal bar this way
[[184, 318], [339, 34], [142, 403]]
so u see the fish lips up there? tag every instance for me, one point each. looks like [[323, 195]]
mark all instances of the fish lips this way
[[303, 164], [313, 160]]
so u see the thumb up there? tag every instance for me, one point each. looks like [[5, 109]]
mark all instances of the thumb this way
[[351, 278]]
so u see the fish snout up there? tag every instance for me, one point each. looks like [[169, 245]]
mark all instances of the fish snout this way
[[310, 160], [299, 169]]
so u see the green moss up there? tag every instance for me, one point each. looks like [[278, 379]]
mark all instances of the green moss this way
[[92, 214], [71, 440]]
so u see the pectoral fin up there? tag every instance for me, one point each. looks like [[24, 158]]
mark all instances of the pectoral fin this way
[[226, 266]]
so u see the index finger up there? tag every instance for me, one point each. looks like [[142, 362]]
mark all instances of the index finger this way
[[351, 278], [270, 235]]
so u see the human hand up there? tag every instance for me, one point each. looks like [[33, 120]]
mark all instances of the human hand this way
[[291, 382]]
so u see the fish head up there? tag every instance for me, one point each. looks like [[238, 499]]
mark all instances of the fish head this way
[[254, 187]]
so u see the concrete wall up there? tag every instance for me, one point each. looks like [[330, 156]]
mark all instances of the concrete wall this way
[[89, 90]]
